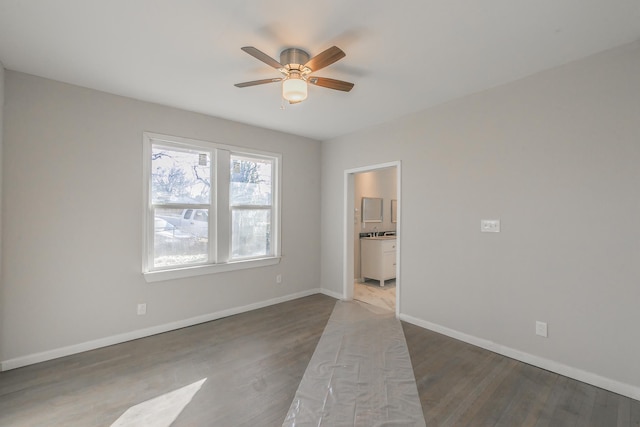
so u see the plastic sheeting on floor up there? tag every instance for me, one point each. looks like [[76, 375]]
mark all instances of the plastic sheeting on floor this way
[[359, 375]]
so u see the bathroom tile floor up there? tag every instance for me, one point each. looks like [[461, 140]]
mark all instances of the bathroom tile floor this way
[[372, 293]]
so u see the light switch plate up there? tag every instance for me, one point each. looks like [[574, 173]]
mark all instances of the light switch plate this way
[[490, 225]]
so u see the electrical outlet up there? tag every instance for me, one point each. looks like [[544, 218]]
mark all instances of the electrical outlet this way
[[279, 278], [142, 309], [541, 329]]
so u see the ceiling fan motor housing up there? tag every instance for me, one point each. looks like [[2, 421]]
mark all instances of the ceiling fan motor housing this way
[[293, 56]]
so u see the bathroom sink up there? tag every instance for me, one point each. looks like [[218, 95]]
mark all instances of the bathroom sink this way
[[381, 238]]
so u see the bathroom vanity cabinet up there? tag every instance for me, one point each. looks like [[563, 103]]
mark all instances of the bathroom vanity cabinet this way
[[378, 258]]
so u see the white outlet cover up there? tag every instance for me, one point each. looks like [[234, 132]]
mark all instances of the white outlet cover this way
[[541, 329], [142, 309], [490, 225]]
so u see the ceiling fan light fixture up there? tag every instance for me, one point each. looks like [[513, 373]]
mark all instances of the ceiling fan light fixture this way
[[296, 67], [294, 88]]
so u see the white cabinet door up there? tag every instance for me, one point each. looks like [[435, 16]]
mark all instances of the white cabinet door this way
[[389, 265], [378, 259]]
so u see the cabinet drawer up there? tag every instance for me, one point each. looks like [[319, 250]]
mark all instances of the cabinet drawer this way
[[389, 246]]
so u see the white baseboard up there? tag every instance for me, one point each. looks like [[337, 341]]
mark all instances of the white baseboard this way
[[30, 359], [578, 374], [329, 293]]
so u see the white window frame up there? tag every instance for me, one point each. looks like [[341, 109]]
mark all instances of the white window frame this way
[[219, 210]]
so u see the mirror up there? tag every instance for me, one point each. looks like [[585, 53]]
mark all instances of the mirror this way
[[394, 210], [371, 209]]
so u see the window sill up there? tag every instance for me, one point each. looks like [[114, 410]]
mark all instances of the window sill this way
[[201, 270]]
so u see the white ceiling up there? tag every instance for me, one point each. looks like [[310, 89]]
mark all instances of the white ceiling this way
[[403, 56]]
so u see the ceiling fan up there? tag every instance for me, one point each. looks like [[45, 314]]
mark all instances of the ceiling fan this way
[[296, 66]]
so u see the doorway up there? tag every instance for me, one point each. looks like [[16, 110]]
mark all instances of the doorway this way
[[379, 184]]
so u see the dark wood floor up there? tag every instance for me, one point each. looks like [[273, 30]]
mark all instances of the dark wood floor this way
[[460, 384], [254, 361]]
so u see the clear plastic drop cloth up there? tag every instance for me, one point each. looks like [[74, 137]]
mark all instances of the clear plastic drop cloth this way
[[359, 375]]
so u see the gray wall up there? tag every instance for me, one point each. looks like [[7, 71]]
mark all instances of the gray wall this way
[[73, 215], [378, 183], [556, 157]]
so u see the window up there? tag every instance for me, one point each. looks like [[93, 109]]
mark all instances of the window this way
[[180, 181], [251, 206], [209, 207]]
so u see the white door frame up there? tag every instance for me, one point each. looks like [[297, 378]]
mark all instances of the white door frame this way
[[348, 227]]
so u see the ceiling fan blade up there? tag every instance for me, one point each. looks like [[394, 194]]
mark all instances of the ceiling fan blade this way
[[258, 54], [331, 83], [258, 82], [325, 58]]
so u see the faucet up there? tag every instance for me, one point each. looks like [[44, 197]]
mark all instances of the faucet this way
[[375, 231]]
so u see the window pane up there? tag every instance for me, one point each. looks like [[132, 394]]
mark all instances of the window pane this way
[[251, 233], [250, 181], [180, 176], [178, 240]]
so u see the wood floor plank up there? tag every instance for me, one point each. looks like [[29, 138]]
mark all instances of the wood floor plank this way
[[624, 412], [483, 401], [634, 417], [588, 400], [605, 409], [528, 405]]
